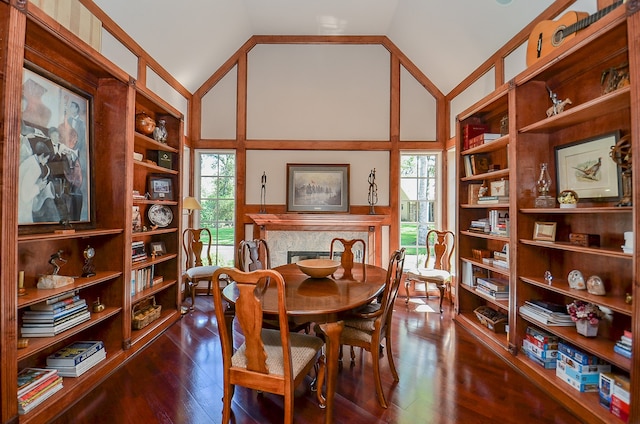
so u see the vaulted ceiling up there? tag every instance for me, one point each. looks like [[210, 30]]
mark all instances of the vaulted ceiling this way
[[446, 39]]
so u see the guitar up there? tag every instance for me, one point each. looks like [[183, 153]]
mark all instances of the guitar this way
[[547, 35]]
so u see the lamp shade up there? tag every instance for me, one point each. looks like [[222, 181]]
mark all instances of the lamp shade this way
[[191, 203]]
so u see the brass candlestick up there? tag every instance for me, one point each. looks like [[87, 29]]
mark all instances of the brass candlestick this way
[[21, 290]]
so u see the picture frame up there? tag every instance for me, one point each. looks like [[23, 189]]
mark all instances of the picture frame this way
[[160, 187], [544, 231], [499, 188], [585, 167], [56, 142], [158, 248], [318, 188]]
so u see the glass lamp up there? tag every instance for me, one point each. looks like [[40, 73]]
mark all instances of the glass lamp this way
[[543, 186], [191, 203]]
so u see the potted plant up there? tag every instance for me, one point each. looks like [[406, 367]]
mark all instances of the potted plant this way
[[586, 315]]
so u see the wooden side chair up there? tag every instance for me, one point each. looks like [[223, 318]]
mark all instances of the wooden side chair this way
[[254, 255], [196, 271], [369, 326], [274, 361], [347, 259], [436, 272]]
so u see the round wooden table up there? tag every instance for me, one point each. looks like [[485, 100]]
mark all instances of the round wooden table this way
[[324, 301]]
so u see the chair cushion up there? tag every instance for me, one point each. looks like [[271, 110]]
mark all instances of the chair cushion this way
[[304, 349], [201, 271], [359, 324], [362, 334], [428, 274]]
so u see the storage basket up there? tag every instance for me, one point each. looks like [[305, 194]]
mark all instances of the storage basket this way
[[490, 318], [144, 313]]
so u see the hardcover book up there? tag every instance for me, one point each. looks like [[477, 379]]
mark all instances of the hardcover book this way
[[28, 378], [74, 353]]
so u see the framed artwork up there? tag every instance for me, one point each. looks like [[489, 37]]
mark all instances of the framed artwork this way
[[499, 188], [157, 248], [544, 231], [55, 152], [585, 168], [160, 187], [317, 188]]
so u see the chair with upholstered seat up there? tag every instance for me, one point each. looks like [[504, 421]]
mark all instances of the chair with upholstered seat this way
[[367, 327], [274, 361], [254, 255], [436, 272], [196, 271], [347, 257]]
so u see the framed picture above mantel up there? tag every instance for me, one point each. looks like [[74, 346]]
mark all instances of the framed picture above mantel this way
[[318, 188]]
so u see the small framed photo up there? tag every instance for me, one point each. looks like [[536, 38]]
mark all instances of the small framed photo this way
[[157, 248], [544, 231], [160, 187], [499, 188]]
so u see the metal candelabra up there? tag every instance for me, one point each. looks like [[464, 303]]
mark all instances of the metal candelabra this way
[[373, 191]]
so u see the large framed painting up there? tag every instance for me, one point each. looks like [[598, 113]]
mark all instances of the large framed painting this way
[[317, 188], [586, 168], [55, 153]]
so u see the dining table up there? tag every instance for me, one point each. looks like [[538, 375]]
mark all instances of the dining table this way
[[325, 301]]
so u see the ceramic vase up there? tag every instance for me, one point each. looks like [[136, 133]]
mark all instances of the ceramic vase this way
[[587, 329]]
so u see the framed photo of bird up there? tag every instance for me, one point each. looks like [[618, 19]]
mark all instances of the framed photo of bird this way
[[586, 168]]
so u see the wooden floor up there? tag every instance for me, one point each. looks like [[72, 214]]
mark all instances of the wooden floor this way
[[446, 376]]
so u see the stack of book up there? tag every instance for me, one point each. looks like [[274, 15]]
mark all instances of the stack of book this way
[[546, 313], [471, 130], [480, 225], [138, 252], [53, 316], [35, 385], [77, 358], [142, 279], [498, 222], [493, 287], [541, 347], [480, 139], [623, 346], [492, 200]]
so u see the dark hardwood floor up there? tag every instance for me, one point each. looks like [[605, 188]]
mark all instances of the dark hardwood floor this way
[[446, 376]]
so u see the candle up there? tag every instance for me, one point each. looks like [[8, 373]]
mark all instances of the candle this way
[[21, 279]]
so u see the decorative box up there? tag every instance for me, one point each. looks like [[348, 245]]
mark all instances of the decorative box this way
[[490, 318], [585, 240]]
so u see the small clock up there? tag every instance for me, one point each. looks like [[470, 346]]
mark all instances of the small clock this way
[[88, 270]]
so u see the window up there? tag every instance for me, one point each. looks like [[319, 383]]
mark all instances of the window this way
[[418, 212], [215, 188]]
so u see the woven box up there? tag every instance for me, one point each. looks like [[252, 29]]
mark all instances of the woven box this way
[[144, 313], [493, 320]]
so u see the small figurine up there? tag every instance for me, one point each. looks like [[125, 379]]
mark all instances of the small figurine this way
[[558, 106], [595, 285], [54, 261], [548, 277], [160, 132]]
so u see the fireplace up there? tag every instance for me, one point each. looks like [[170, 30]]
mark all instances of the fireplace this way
[[287, 234]]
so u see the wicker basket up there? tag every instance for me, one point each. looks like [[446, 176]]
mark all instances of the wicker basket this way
[[490, 318], [144, 313]]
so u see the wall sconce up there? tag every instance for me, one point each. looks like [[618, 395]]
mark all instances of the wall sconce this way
[[191, 203]]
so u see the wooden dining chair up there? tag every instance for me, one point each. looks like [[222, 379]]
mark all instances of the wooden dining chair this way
[[347, 258], [195, 269], [436, 272], [274, 361], [367, 327], [254, 255]]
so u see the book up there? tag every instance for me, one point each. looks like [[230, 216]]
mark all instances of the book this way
[[29, 320], [82, 367], [479, 163], [28, 405], [28, 378], [494, 283], [74, 353], [626, 353], [488, 200], [56, 313], [58, 298], [492, 293], [480, 139], [39, 388], [58, 306], [52, 331], [545, 317], [471, 130], [549, 306], [473, 194], [468, 170]]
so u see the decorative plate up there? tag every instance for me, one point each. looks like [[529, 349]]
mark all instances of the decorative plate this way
[[160, 215]]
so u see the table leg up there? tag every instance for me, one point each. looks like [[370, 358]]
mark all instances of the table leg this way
[[333, 331]]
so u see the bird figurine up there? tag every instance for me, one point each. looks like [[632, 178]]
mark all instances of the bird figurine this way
[[590, 172]]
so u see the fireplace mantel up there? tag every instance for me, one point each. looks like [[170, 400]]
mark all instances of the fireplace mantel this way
[[372, 224]]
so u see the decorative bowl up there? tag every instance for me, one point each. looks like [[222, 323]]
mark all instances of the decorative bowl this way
[[318, 268], [144, 123]]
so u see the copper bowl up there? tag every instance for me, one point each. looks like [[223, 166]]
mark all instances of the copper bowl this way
[[144, 123]]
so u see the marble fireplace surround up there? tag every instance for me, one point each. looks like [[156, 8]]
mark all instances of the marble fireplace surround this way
[[314, 232]]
